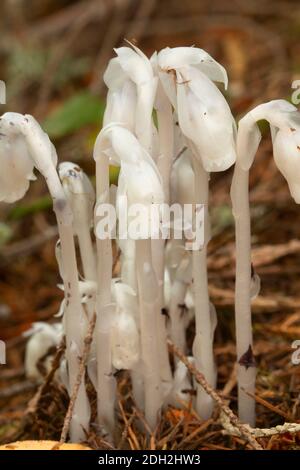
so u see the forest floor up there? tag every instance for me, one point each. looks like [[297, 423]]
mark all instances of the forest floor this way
[[261, 51]]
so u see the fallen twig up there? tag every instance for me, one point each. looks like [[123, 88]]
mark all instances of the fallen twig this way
[[87, 345], [243, 429], [127, 429], [230, 429]]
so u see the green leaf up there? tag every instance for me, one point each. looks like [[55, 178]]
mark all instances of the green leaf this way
[[5, 233], [221, 218], [78, 111], [22, 210]]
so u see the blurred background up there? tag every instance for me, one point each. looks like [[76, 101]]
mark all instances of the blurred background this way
[[52, 57]]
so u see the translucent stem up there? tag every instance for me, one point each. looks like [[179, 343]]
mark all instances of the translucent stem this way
[[87, 253], [74, 318], [147, 286], [164, 162], [203, 343], [105, 379], [244, 339]]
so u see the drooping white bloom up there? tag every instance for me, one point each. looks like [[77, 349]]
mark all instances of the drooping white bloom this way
[[40, 154], [284, 120], [279, 113], [121, 319], [286, 149], [143, 181], [205, 119], [124, 337], [43, 337], [23, 147], [139, 180], [16, 168], [87, 291], [80, 193], [132, 87]]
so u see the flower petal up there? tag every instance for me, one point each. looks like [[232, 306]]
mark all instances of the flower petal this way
[[178, 57]]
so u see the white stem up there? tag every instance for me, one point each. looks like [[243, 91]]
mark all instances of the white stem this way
[[147, 285], [128, 276], [178, 293], [166, 138], [75, 322], [137, 379], [244, 339], [105, 378], [203, 344], [158, 250], [87, 253]]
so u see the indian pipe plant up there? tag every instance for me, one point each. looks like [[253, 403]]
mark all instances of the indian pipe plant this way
[[167, 126]]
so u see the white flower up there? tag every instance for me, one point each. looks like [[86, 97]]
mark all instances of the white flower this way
[[139, 180], [80, 193], [44, 336], [203, 113], [121, 105], [23, 146], [276, 112], [132, 87], [16, 168], [286, 149], [284, 121]]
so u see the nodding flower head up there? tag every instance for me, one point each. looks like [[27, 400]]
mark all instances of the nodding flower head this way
[[132, 87], [284, 121], [286, 149], [42, 337], [23, 147], [79, 191], [187, 75], [140, 176]]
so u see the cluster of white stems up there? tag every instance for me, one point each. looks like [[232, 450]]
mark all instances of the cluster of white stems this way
[[167, 126]]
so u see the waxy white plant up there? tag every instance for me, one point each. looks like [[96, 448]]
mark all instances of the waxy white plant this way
[[43, 337], [141, 184], [23, 147], [81, 196], [205, 119], [285, 130], [132, 85], [168, 161]]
